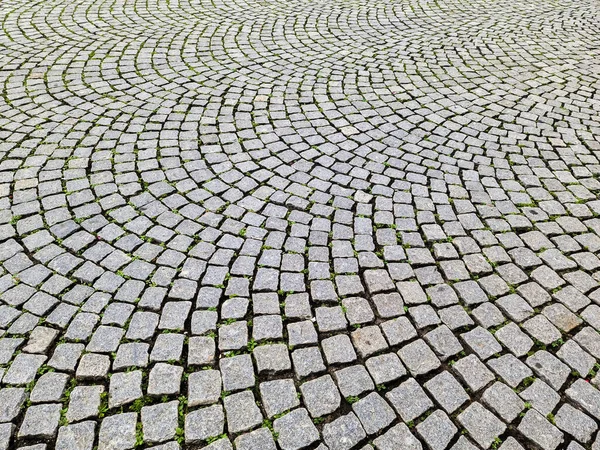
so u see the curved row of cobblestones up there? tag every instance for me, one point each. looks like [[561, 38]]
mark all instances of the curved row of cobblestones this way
[[324, 225]]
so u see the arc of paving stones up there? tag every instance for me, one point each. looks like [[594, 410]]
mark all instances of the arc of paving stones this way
[[299, 225]]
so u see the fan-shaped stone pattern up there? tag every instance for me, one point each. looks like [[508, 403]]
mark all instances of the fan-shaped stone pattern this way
[[299, 224]]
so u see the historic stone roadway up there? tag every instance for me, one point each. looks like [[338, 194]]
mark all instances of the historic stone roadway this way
[[330, 224]]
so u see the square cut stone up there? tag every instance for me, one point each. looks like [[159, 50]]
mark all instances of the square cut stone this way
[[437, 430], [374, 413], [368, 340], [385, 368], [418, 358], [278, 396], [447, 391], [353, 381], [409, 400], [321, 396], [483, 426]]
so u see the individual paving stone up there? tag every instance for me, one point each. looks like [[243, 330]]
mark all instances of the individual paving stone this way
[[6, 432], [358, 310], [423, 316], [585, 396], [473, 372], [295, 430], [124, 388], [77, 436], [330, 319], [159, 422], [353, 381], [49, 387], [418, 358], [118, 431], [577, 424], [482, 425], [133, 354], [242, 412], [11, 400], [536, 427], [388, 305], [105, 339], [272, 358], [204, 388], [399, 436], [320, 396], [308, 361], [84, 402], [267, 327], [541, 396], [301, 333], [514, 339], [40, 421], [168, 347], [447, 391], [278, 396], [385, 368], [237, 372], [482, 342], [378, 281], [368, 340], [23, 369], [165, 379], [204, 423], [540, 328], [503, 401], [573, 355], [93, 366], [549, 368], [255, 440], [443, 342], [65, 357], [437, 430], [374, 413], [343, 433], [587, 338], [409, 400], [511, 369], [398, 330], [233, 336], [338, 349]]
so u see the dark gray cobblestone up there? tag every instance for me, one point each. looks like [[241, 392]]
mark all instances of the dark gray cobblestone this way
[[299, 225]]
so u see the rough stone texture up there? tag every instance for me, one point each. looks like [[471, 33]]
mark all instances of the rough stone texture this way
[[218, 216]]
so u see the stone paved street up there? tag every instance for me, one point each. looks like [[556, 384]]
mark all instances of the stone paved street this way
[[325, 224]]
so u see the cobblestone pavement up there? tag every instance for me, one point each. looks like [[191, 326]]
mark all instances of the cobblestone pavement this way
[[263, 225]]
